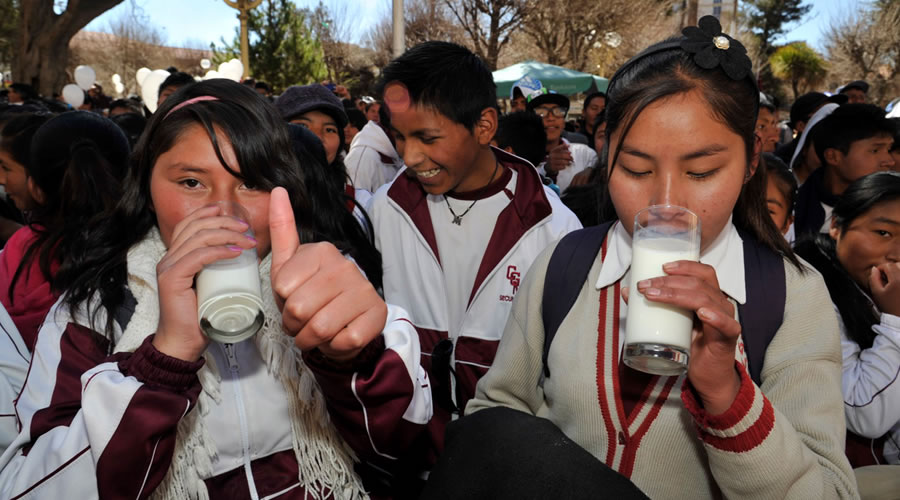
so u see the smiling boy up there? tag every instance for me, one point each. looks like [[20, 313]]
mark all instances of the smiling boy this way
[[460, 228]]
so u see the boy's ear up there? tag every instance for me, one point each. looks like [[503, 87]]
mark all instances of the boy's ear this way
[[834, 231], [486, 126], [833, 156]]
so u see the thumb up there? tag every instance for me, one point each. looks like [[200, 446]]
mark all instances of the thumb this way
[[625, 293], [282, 228]]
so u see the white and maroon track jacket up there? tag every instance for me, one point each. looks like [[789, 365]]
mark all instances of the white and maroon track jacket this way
[[414, 280], [100, 426]]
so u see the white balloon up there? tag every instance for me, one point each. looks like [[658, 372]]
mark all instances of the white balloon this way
[[120, 87], [235, 70], [205, 64], [73, 94], [85, 76], [150, 88], [116, 79], [141, 74], [212, 74], [223, 67]]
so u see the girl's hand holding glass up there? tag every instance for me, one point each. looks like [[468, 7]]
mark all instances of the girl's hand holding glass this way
[[201, 238], [325, 301], [694, 286]]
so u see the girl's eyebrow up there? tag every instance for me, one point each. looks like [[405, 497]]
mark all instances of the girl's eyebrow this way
[[775, 201], [186, 167], [710, 150]]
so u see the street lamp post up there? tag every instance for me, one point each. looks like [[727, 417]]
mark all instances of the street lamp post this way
[[244, 7]]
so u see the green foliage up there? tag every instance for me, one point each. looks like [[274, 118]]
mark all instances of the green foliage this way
[[799, 65], [283, 48], [768, 19], [9, 24]]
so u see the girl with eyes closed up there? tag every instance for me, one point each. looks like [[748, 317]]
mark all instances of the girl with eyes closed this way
[[738, 424]]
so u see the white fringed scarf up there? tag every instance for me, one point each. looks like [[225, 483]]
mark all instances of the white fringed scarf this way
[[325, 461]]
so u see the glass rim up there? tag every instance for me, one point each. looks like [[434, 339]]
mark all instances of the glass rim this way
[[666, 205]]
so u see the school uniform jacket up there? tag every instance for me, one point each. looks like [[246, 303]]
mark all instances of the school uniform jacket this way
[[372, 160], [782, 439], [413, 277], [101, 426]]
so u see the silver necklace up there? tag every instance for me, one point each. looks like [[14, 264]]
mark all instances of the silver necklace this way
[[457, 219]]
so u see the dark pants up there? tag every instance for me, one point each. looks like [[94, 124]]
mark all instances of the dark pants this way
[[502, 453]]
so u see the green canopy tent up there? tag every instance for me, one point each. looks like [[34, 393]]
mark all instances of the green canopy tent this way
[[563, 80]]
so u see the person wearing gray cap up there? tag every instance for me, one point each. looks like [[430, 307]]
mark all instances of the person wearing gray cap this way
[[318, 109]]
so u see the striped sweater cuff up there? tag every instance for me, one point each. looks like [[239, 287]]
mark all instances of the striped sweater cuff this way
[[744, 426]]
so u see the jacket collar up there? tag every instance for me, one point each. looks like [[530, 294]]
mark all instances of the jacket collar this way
[[725, 255]]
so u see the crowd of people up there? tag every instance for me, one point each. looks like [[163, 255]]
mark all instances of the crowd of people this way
[[413, 251]]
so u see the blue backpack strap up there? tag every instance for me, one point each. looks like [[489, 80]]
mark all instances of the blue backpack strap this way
[[761, 316], [568, 268]]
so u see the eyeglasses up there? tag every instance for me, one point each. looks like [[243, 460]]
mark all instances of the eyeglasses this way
[[557, 112]]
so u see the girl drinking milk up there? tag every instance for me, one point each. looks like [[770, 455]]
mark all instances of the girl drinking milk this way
[[752, 415]]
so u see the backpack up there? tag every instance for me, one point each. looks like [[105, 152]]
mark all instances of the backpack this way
[[760, 316]]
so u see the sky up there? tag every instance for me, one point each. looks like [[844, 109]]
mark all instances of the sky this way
[[196, 23]]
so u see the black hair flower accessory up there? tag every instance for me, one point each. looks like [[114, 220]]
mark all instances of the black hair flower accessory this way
[[713, 48]]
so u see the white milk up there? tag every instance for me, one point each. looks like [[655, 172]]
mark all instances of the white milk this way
[[652, 322], [228, 294]]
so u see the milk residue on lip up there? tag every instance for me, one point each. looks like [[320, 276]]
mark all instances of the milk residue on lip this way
[[654, 322]]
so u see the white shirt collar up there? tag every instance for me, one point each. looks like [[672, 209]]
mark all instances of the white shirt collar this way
[[725, 255]]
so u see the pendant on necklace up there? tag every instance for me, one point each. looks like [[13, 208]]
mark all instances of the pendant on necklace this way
[[457, 220]]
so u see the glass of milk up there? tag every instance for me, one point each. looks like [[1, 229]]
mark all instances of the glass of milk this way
[[230, 307], [658, 336]]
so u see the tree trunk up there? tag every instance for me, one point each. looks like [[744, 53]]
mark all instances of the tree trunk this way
[[692, 9], [42, 48]]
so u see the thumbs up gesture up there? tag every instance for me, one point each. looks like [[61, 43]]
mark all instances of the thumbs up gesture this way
[[325, 300]]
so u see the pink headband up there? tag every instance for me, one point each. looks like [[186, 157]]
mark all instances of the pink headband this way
[[190, 101]]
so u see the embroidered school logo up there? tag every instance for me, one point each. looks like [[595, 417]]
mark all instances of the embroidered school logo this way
[[513, 276]]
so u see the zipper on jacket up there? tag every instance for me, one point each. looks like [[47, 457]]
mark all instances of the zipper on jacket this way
[[242, 417]]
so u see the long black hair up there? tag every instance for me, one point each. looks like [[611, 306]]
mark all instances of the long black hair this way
[[657, 74], [263, 150], [78, 161], [856, 307]]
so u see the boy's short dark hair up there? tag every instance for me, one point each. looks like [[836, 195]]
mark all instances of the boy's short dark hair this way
[[446, 77], [177, 79], [523, 131], [848, 124], [128, 104], [356, 117], [263, 85], [778, 170], [590, 97]]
